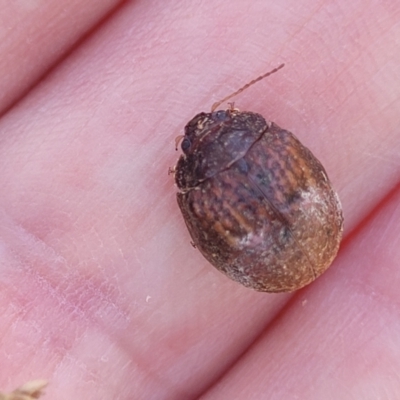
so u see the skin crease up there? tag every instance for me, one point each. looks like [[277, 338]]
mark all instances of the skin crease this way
[[101, 292], [32, 27]]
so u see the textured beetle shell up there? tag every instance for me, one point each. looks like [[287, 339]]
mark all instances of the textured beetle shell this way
[[257, 203]]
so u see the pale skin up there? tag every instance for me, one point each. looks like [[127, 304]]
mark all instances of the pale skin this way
[[101, 292]]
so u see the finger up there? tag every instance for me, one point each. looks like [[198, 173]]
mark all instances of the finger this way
[[35, 35], [91, 150]]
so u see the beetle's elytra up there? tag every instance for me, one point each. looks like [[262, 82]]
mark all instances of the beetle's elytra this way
[[257, 203]]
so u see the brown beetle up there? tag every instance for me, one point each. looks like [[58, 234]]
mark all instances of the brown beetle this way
[[257, 203]]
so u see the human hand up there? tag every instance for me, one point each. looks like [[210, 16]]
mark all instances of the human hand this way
[[101, 292]]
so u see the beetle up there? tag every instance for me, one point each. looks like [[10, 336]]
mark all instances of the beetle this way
[[257, 203]]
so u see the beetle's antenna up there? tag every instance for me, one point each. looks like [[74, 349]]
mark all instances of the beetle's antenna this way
[[218, 103]]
